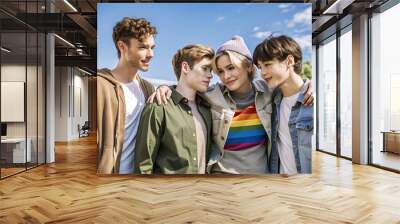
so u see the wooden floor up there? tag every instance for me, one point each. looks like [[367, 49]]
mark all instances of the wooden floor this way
[[69, 191], [10, 171]]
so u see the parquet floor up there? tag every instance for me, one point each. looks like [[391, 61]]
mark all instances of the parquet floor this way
[[9, 171], [69, 191]]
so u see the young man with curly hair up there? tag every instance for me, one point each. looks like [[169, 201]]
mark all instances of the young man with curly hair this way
[[121, 95]]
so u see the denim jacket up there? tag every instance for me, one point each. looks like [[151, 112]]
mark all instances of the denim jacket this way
[[223, 112], [301, 124]]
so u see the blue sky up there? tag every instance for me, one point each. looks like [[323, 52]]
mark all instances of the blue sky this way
[[210, 24]]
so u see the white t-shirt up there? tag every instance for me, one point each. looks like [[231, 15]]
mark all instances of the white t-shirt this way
[[284, 142], [134, 104]]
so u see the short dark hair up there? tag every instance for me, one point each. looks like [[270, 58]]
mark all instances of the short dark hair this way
[[129, 28], [279, 48]]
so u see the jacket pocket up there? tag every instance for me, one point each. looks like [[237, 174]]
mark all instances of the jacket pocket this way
[[306, 125], [265, 114], [217, 119], [221, 122], [304, 132]]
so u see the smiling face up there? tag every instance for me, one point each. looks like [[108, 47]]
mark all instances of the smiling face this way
[[233, 75], [274, 73], [278, 58], [138, 53], [199, 77]]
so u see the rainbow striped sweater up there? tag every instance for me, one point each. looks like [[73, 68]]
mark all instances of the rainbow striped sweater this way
[[246, 130]]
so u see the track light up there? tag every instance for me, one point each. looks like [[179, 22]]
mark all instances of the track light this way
[[5, 50], [65, 41], [70, 5], [84, 71]]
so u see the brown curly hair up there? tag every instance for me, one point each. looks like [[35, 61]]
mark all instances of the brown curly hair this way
[[129, 28]]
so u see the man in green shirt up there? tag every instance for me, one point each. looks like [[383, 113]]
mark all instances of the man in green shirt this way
[[175, 138]]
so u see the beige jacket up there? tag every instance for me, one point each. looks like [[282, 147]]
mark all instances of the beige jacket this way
[[111, 120]]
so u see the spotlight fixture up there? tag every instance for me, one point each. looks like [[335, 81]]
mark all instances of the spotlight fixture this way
[[84, 71], [65, 41], [70, 5], [5, 50]]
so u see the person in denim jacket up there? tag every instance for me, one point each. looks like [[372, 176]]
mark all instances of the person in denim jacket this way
[[280, 61]]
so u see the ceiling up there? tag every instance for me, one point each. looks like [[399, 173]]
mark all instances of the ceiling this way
[[72, 20], [328, 16]]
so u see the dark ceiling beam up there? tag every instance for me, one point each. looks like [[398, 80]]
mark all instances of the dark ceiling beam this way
[[84, 24], [45, 22], [17, 19], [321, 22], [81, 61], [87, 51], [52, 23], [337, 7], [91, 5]]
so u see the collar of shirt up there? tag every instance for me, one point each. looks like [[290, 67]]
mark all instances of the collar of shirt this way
[[277, 95], [178, 98]]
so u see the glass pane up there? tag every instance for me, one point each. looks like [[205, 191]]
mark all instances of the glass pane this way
[[23, 86], [385, 86], [13, 85], [314, 83], [31, 100], [346, 94], [41, 99], [327, 96]]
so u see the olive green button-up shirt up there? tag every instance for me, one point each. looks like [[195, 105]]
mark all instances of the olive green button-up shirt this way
[[166, 141]]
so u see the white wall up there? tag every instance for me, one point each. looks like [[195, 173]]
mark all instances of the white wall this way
[[80, 85], [61, 103], [70, 84]]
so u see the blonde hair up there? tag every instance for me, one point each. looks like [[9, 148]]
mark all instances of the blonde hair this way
[[191, 54], [237, 60]]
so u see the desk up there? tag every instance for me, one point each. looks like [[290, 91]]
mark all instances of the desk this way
[[13, 150], [391, 141]]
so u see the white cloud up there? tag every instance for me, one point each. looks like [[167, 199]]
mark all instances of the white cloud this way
[[256, 28], [284, 5], [220, 18], [301, 30], [304, 42], [262, 34], [303, 17]]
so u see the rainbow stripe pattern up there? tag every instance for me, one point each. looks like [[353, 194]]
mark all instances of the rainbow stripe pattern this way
[[246, 130]]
